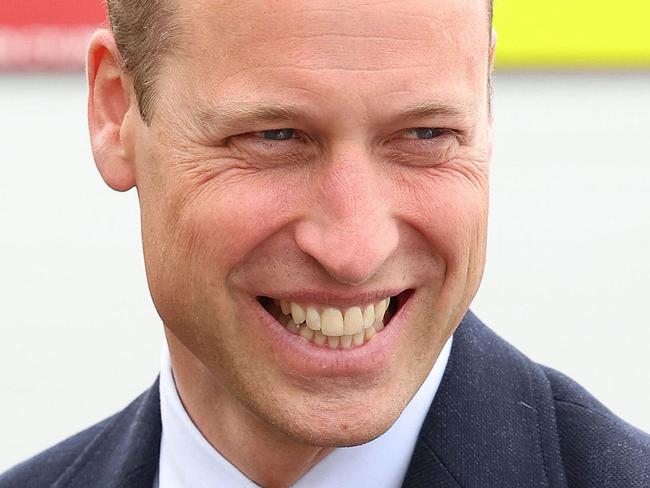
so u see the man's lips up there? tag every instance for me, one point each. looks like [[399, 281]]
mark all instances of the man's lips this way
[[332, 326], [303, 358], [331, 297]]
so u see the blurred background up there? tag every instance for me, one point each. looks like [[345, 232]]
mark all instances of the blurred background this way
[[568, 260]]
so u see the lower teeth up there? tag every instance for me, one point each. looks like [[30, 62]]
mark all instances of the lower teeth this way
[[336, 342]]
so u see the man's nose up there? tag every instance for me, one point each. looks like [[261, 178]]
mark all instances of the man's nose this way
[[349, 228]]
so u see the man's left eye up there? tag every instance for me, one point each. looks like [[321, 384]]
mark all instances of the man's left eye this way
[[277, 134], [424, 133]]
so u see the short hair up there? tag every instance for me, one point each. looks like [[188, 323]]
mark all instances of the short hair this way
[[145, 31]]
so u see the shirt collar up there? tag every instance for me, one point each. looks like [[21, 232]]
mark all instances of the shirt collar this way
[[187, 459]]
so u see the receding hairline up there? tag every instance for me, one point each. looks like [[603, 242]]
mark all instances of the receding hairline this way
[[146, 31]]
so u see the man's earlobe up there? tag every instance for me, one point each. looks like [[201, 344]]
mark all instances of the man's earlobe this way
[[109, 103]]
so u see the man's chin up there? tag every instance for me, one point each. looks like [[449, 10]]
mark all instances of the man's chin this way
[[332, 431]]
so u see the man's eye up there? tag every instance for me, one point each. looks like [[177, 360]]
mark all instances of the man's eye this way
[[277, 134], [424, 133]]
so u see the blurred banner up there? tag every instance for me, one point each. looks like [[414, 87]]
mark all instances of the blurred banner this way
[[573, 33], [47, 34], [52, 34]]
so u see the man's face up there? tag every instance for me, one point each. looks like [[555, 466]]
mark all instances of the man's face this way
[[329, 154]]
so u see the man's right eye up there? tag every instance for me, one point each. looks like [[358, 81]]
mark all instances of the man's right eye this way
[[276, 134]]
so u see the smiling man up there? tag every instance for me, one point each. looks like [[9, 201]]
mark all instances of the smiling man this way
[[313, 182]]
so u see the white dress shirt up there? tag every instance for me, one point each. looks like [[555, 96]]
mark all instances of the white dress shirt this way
[[188, 460]]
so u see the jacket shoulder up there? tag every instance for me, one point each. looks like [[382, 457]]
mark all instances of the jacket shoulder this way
[[121, 450], [48, 466], [598, 448]]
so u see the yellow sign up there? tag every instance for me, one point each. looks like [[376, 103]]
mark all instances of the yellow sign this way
[[580, 33]]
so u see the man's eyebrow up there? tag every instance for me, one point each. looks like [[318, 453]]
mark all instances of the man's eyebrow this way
[[428, 110], [240, 115]]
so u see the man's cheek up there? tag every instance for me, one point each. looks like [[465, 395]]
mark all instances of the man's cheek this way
[[453, 229], [218, 230]]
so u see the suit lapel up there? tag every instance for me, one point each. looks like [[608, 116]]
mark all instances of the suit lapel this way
[[125, 453], [492, 422], [427, 471]]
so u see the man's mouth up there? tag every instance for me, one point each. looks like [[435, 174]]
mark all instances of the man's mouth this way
[[333, 327]]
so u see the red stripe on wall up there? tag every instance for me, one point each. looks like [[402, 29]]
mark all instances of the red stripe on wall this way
[[21, 13]]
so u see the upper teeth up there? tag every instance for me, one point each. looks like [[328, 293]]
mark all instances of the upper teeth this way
[[332, 321]]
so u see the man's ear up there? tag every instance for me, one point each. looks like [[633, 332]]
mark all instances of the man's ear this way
[[109, 101], [493, 48]]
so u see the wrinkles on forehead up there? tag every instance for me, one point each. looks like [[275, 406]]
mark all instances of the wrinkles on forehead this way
[[150, 32], [264, 60], [274, 32]]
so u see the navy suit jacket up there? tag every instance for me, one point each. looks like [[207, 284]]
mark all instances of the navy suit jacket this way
[[498, 420]]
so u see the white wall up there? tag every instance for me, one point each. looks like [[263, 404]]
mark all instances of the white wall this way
[[567, 276], [79, 336]]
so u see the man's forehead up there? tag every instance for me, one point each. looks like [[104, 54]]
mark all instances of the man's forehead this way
[[235, 7], [352, 18], [350, 35], [369, 58]]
